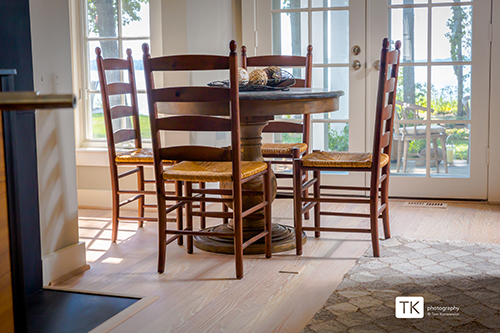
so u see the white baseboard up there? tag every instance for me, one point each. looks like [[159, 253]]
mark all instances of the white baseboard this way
[[62, 262]]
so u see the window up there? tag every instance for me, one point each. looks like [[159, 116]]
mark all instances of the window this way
[[114, 26]]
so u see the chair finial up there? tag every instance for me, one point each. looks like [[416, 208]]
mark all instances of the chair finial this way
[[129, 52], [145, 48], [398, 45], [98, 51], [243, 50], [385, 43], [233, 46], [309, 49]]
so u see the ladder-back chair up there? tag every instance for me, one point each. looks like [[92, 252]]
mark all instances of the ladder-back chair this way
[[376, 163], [286, 152], [202, 163]]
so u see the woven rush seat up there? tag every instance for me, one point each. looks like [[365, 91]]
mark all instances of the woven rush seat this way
[[140, 155], [282, 148], [337, 159], [210, 171]]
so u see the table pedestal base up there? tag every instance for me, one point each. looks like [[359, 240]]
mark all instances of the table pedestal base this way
[[283, 240]]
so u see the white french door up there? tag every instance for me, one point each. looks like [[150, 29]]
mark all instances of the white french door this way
[[443, 86], [336, 30], [443, 94]]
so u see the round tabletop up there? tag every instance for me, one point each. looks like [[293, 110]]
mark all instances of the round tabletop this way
[[265, 103]]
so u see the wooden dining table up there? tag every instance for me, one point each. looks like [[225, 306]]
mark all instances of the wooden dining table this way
[[257, 108]]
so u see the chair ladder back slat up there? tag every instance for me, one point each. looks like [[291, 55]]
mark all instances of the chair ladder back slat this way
[[119, 88], [283, 127], [387, 113], [121, 111], [115, 64], [194, 123], [191, 62], [190, 94], [124, 134], [384, 141], [390, 85], [300, 83], [274, 60], [195, 153], [393, 57]]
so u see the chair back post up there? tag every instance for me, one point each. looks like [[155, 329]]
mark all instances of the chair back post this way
[[133, 98], [384, 114], [244, 57], [306, 134], [153, 114]]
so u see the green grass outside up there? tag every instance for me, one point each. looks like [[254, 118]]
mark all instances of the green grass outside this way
[[99, 130]]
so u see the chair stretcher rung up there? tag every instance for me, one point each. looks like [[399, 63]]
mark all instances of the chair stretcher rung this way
[[254, 209], [129, 172], [307, 207], [254, 239], [137, 218], [129, 200], [198, 233], [345, 214], [213, 214], [347, 188], [195, 199], [171, 239], [137, 192], [336, 229], [340, 200]]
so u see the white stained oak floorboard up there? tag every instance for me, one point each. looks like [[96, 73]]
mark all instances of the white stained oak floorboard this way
[[198, 292]]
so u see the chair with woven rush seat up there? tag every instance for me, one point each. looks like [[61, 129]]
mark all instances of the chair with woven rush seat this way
[[286, 151], [376, 163], [137, 157], [201, 163]]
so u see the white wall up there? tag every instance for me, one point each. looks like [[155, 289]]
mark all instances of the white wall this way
[[50, 33], [494, 121]]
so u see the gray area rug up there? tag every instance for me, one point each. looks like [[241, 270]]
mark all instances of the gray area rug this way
[[459, 281]]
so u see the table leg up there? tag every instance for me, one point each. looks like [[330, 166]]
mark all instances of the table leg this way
[[283, 236]]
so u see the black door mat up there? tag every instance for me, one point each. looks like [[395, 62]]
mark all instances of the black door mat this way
[[57, 311]]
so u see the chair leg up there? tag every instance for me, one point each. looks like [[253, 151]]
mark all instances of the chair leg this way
[[384, 196], [116, 212], [189, 216], [374, 222], [141, 200], [296, 154], [445, 155], [225, 209], [238, 236], [162, 237], [297, 204], [317, 206], [203, 223], [267, 211], [178, 193]]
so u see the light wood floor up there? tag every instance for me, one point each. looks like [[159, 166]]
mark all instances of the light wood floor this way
[[198, 292]]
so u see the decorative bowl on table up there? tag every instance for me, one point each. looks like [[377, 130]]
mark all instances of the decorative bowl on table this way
[[270, 78]]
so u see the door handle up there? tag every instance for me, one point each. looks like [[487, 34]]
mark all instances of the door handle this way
[[376, 65], [356, 64]]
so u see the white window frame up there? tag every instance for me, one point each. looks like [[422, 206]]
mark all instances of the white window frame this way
[[86, 139]]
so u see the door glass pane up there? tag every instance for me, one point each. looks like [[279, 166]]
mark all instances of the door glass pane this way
[[289, 4], [135, 46], [450, 92], [330, 3], [135, 18], [401, 2], [330, 36], [333, 78], [453, 159], [102, 20], [451, 33], [290, 35], [443, 1], [409, 25], [411, 96], [109, 50], [408, 150], [330, 136]]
